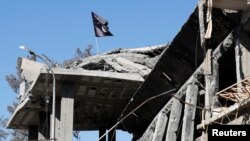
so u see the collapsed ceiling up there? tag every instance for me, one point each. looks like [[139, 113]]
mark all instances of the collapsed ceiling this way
[[103, 84]]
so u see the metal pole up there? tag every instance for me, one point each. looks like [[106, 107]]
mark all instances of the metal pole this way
[[53, 99], [97, 46], [52, 126], [53, 106]]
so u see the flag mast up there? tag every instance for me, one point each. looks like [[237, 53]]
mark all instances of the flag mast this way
[[96, 43]]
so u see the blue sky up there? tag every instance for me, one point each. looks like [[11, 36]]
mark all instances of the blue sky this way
[[56, 28]]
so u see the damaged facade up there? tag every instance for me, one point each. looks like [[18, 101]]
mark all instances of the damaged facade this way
[[210, 78]]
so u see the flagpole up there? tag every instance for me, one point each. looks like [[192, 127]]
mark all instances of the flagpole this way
[[97, 47]]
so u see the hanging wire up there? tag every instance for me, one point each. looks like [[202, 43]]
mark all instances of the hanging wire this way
[[149, 99], [144, 102]]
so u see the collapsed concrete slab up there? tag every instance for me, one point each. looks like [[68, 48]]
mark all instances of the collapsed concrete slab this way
[[98, 87], [176, 65]]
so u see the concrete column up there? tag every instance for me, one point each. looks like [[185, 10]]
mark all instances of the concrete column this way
[[174, 121], [101, 132], [242, 58], [188, 126], [63, 131], [160, 126], [242, 54], [33, 133]]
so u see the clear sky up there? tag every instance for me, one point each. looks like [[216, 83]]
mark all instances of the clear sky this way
[[56, 28]]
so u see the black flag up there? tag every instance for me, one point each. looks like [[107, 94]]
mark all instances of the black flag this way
[[100, 26]]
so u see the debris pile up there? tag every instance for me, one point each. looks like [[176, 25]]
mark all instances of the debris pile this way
[[139, 60]]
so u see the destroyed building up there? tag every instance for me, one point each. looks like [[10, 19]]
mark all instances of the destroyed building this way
[[95, 89], [168, 92]]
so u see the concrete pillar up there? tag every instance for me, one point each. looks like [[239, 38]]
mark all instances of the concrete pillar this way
[[174, 121], [242, 54], [188, 126], [33, 133], [65, 113], [101, 132], [242, 49]]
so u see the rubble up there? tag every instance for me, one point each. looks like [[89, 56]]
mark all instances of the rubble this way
[[139, 60]]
